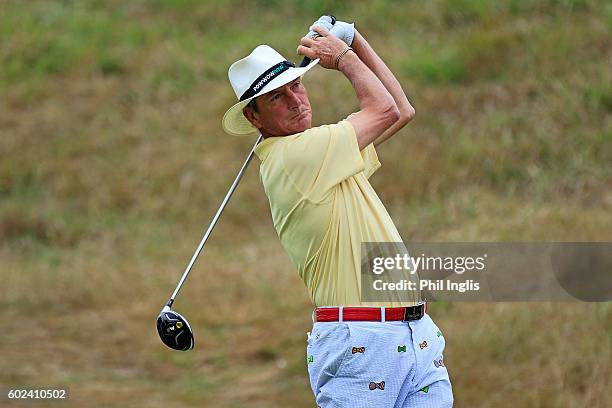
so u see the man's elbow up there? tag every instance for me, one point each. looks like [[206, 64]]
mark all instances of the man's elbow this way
[[406, 114], [398, 116], [391, 115]]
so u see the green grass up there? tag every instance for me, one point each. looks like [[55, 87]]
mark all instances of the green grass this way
[[113, 161]]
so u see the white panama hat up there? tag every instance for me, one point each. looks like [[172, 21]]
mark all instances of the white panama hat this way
[[262, 71]]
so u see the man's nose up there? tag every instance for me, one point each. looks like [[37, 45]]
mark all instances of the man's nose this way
[[293, 99]]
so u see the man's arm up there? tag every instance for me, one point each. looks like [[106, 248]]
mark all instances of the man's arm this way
[[378, 111], [369, 57]]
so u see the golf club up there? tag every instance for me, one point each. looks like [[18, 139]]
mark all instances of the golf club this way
[[173, 329]]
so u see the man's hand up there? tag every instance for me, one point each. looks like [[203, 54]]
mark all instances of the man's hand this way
[[326, 47]]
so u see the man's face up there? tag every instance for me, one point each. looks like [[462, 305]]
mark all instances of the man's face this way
[[283, 111]]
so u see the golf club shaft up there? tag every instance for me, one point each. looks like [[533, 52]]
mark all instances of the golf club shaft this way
[[213, 222]]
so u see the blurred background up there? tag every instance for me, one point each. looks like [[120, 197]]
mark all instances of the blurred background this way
[[113, 161]]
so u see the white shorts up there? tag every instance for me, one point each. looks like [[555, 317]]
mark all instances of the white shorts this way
[[378, 364]]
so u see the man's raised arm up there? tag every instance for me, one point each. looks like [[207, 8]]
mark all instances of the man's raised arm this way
[[378, 110], [369, 57]]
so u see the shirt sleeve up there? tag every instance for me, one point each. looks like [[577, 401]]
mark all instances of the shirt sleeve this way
[[370, 160], [320, 158]]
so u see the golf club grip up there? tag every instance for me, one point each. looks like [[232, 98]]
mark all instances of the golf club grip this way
[[305, 62], [214, 221]]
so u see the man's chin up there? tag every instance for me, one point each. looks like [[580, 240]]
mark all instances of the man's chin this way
[[304, 123], [298, 126], [301, 129]]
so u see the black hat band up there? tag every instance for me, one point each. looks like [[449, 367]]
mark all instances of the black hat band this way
[[266, 77]]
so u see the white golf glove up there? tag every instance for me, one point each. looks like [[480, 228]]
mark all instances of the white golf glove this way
[[323, 21], [342, 30]]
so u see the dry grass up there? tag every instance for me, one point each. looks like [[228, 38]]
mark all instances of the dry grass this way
[[112, 161]]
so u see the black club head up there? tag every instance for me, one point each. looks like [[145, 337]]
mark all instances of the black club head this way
[[174, 330]]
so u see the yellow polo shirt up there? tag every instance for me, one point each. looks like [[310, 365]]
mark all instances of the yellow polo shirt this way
[[323, 207]]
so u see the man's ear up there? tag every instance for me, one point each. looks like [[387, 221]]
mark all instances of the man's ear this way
[[252, 116]]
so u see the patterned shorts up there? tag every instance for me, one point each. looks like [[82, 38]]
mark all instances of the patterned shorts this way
[[378, 364]]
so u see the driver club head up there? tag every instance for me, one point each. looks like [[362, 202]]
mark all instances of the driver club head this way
[[174, 330]]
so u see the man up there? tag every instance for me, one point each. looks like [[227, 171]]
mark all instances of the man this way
[[323, 207]]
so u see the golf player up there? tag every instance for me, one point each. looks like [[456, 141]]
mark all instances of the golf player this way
[[386, 354]]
